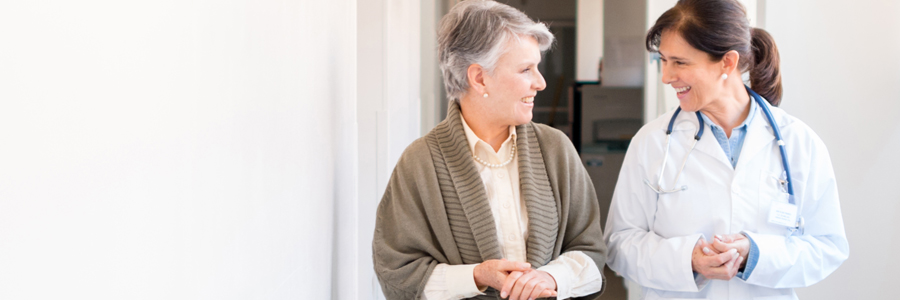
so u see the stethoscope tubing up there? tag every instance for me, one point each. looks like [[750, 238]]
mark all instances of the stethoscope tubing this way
[[784, 161], [764, 106]]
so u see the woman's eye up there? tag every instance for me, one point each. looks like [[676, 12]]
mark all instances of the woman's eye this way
[[680, 63], [526, 70]]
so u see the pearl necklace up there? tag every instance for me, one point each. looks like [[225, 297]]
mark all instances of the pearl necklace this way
[[512, 154]]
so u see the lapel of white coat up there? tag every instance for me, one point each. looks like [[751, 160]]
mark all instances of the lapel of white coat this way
[[759, 136], [708, 144]]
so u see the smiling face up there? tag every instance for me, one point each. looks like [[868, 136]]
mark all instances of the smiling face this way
[[514, 83], [695, 76]]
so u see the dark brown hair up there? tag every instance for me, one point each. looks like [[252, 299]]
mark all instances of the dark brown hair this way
[[719, 26]]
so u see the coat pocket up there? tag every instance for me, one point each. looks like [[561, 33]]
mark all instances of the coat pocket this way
[[771, 190]]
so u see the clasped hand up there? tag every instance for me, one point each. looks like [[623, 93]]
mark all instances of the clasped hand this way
[[516, 280], [723, 258]]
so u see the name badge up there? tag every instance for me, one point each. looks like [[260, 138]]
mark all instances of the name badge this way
[[784, 214]]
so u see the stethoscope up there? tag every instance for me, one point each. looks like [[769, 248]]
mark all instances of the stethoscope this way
[[788, 182]]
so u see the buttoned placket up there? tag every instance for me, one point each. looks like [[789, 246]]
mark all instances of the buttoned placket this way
[[508, 215], [499, 184], [455, 281]]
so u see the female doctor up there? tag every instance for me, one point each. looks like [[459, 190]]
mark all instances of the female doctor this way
[[728, 196]]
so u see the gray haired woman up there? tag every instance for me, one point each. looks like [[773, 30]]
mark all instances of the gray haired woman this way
[[489, 204]]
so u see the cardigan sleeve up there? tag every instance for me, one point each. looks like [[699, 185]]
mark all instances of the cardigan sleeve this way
[[580, 228], [403, 248]]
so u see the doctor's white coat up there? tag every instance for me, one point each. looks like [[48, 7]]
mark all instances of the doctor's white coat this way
[[651, 237]]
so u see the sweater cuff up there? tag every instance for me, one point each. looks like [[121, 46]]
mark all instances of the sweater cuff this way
[[752, 259], [461, 281], [452, 282], [576, 275], [773, 252], [562, 275]]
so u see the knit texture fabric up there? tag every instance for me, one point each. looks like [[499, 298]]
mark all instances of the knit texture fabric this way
[[435, 208], [466, 202]]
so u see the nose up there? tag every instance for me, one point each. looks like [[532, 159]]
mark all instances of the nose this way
[[668, 75], [540, 84]]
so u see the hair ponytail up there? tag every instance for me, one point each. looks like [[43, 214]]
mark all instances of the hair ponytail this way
[[765, 70], [719, 26]]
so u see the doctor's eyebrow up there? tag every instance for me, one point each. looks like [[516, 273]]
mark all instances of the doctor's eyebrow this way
[[661, 55]]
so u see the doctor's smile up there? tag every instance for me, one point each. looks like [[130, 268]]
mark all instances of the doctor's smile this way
[[682, 91]]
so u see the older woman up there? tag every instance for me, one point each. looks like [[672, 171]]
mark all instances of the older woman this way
[[728, 196], [488, 203]]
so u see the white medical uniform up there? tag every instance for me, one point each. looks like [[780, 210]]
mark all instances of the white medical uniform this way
[[651, 236]]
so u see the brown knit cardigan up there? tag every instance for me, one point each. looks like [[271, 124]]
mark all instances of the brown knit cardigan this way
[[435, 208]]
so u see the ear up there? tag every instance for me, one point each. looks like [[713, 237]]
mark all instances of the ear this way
[[730, 62], [475, 75]]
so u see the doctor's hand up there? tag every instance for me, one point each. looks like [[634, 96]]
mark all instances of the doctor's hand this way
[[714, 265], [493, 272], [724, 242], [531, 284]]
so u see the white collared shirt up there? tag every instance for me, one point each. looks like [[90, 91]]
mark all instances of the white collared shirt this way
[[575, 273]]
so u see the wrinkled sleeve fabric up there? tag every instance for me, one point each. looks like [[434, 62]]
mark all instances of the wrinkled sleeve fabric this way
[[635, 251], [452, 282], [752, 259], [581, 224], [403, 248], [793, 261], [576, 275]]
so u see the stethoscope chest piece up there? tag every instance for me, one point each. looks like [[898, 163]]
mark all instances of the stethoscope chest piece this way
[[801, 224], [786, 183]]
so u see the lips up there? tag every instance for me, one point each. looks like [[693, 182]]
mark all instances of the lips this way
[[681, 92], [682, 89]]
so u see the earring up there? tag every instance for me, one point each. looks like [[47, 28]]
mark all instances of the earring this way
[[485, 95], [724, 76]]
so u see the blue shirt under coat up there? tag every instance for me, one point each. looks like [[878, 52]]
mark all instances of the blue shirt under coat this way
[[732, 147]]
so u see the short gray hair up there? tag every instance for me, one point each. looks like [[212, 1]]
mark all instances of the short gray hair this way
[[476, 32]]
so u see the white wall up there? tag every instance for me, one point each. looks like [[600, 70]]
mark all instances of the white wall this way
[[389, 113], [589, 42], [176, 150], [623, 43], [658, 97], [430, 73], [842, 77]]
